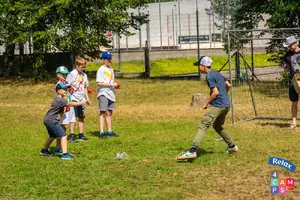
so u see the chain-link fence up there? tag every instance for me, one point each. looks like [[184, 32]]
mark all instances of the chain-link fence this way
[[171, 33]]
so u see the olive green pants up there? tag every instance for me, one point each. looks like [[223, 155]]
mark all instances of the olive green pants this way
[[214, 116]]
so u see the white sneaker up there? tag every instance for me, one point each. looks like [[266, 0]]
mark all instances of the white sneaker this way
[[232, 150], [186, 156]]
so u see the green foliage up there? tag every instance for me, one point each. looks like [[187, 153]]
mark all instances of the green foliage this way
[[285, 78], [246, 14], [76, 26], [283, 13], [39, 73]]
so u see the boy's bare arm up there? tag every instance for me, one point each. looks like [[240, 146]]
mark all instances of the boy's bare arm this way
[[87, 97], [76, 103], [106, 84], [228, 85], [213, 95]]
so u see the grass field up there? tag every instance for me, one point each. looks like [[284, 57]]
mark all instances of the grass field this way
[[182, 65], [155, 124]]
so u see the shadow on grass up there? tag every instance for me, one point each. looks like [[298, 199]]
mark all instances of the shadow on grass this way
[[94, 133], [278, 124]]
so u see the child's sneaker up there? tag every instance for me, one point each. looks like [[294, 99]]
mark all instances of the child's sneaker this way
[[186, 156], [112, 134], [232, 150], [72, 138], [67, 156], [82, 138], [103, 135], [58, 151], [44, 152]]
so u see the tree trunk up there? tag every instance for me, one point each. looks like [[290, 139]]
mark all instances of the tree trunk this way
[[9, 59], [22, 67]]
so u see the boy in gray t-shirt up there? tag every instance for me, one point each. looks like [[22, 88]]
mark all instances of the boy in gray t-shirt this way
[[52, 119], [106, 94]]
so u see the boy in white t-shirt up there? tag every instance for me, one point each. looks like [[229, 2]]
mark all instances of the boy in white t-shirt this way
[[79, 83], [106, 94]]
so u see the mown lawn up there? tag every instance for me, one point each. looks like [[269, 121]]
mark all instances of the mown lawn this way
[[183, 65], [155, 124]]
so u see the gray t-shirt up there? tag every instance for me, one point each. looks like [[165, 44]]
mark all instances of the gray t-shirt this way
[[291, 61], [79, 82], [56, 110], [106, 75]]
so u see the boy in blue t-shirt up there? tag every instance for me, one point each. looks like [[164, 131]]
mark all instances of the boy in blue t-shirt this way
[[219, 106]]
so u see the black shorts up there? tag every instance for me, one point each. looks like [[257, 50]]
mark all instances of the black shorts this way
[[79, 111], [294, 96]]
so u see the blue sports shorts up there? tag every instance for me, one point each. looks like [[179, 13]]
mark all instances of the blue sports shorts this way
[[55, 130]]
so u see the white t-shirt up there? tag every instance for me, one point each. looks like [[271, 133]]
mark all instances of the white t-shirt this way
[[79, 82], [106, 75]]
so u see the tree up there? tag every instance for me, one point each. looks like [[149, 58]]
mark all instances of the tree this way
[[75, 26]]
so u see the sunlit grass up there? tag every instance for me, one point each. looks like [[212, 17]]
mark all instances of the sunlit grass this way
[[183, 65], [155, 124]]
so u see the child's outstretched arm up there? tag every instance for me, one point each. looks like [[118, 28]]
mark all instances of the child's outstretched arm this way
[[114, 84], [76, 103]]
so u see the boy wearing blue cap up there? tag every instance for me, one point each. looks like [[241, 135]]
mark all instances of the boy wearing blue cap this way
[[218, 105], [106, 94], [52, 121]]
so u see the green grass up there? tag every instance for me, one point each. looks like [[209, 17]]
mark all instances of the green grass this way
[[183, 65], [155, 124]]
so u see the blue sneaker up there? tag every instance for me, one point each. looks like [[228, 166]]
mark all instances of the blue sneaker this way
[[112, 134], [67, 156], [58, 151], [103, 135], [44, 152]]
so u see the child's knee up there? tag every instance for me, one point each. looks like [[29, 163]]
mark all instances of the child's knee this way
[[102, 113], [108, 113]]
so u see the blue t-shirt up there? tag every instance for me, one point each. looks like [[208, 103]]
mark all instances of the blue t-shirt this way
[[216, 80]]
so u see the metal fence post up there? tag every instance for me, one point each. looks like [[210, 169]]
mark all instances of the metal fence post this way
[[119, 53], [160, 29], [173, 25], [198, 42], [179, 18], [230, 76]]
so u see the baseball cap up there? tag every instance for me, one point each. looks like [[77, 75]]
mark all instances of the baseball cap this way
[[106, 55], [289, 41], [61, 85], [204, 60], [62, 70]]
